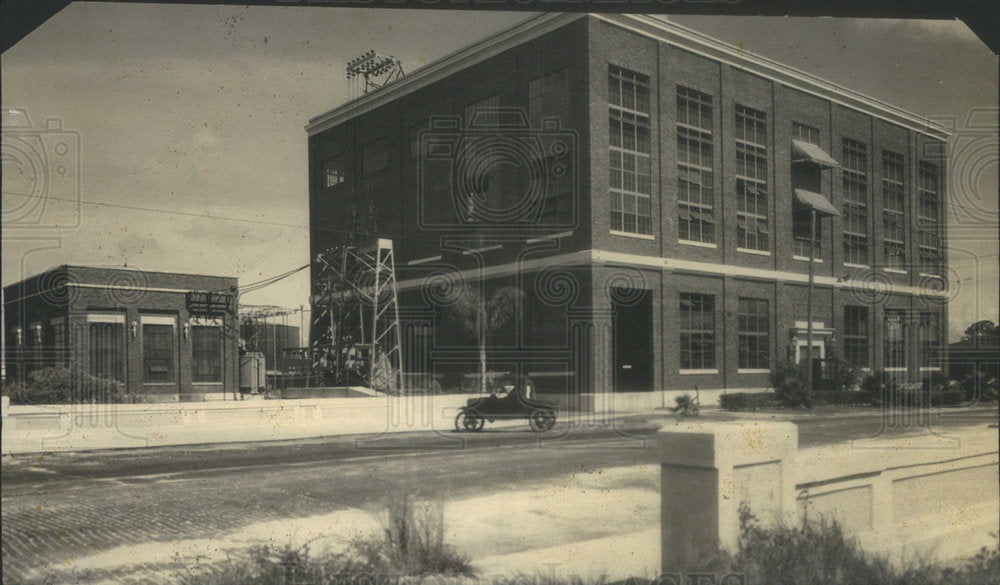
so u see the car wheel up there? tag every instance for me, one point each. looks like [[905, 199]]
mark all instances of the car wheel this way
[[466, 421], [542, 420]]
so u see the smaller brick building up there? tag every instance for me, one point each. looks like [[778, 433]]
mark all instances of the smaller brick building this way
[[165, 336]]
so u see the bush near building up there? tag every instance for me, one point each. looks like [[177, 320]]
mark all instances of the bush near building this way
[[64, 386], [790, 386], [747, 401]]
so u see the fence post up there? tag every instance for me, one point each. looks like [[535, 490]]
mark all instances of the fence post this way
[[707, 471]]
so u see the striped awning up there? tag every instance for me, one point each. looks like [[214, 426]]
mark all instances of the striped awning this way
[[816, 201], [805, 152]]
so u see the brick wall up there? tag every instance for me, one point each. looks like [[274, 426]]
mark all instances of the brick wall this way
[[130, 294], [586, 48]]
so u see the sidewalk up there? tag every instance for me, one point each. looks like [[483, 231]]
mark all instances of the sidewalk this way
[[837, 412]]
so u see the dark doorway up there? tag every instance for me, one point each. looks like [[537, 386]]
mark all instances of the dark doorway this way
[[633, 344]]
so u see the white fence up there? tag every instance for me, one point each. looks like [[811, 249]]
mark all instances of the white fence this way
[[30, 429], [925, 494]]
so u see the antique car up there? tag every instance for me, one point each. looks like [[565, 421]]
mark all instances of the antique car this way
[[510, 398]]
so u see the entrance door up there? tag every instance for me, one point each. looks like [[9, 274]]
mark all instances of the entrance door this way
[[818, 355], [633, 345]]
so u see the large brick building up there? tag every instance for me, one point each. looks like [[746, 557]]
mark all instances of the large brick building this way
[[164, 336], [650, 190]]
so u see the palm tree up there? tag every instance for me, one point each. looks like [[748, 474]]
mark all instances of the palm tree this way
[[484, 317]]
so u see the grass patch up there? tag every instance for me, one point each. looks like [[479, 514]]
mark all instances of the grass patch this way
[[820, 552], [411, 544]]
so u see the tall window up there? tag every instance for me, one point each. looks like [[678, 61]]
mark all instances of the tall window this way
[[893, 209], [483, 183], [805, 176], [628, 125], [751, 179], [697, 330], [549, 96], [375, 156], [895, 338], [334, 171], [929, 218], [58, 337], [107, 350], [753, 334], [856, 336], [695, 193], [206, 353], [928, 335], [158, 352], [414, 135], [805, 133], [855, 177], [484, 112]]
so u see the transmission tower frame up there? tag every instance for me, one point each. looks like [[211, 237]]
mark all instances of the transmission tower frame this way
[[361, 277]]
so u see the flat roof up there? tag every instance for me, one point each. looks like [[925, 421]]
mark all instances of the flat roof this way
[[656, 27], [117, 268]]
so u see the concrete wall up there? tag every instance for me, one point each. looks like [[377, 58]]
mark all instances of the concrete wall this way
[[30, 429], [925, 494]]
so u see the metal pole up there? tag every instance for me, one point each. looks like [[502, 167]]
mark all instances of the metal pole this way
[[809, 306], [375, 291]]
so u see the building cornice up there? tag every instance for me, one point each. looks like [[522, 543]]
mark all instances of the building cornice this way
[[651, 26], [465, 57], [702, 44]]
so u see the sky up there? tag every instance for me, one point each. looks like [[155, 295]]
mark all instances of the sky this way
[[186, 124]]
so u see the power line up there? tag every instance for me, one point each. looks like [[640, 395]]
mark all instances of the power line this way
[[226, 218]]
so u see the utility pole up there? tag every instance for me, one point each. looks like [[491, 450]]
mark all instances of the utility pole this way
[[809, 303]]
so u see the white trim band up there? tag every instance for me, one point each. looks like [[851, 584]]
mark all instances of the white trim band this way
[[697, 243], [631, 235], [106, 318], [585, 257], [424, 260]]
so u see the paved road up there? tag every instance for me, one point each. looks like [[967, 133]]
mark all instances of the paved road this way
[[61, 506]]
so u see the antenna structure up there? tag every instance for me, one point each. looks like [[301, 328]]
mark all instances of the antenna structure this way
[[371, 71]]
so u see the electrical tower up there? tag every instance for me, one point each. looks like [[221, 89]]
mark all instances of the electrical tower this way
[[356, 317], [355, 330], [371, 71]]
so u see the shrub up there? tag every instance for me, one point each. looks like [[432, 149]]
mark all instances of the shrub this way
[[411, 545], [979, 388], [65, 386], [412, 542], [818, 552], [790, 387], [882, 390], [747, 401], [683, 403], [842, 398], [948, 397], [840, 376]]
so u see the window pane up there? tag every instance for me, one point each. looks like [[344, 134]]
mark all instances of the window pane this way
[[206, 354], [158, 352], [697, 331]]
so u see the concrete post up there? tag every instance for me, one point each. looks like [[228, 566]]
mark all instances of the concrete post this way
[[709, 470]]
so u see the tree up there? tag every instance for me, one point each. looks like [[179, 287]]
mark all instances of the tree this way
[[484, 317], [982, 333]]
